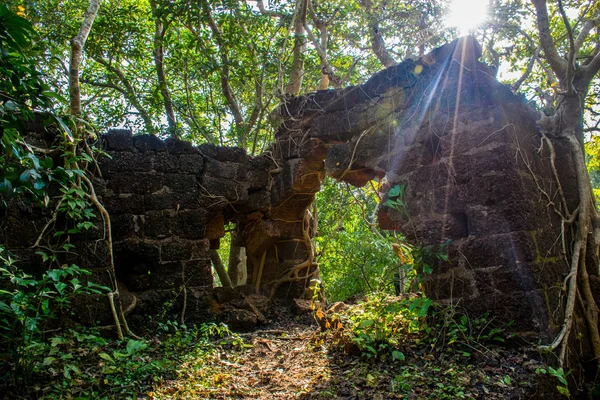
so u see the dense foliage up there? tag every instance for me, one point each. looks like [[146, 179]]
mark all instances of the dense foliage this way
[[212, 71]]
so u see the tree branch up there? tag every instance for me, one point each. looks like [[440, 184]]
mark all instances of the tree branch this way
[[225, 84], [571, 58], [585, 30], [159, 56], [515, 86], [557, 64], [129, 92], [264, 11], [76, 48], [377, 42]]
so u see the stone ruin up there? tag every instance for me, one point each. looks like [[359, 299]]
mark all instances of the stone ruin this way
[[464, 152]]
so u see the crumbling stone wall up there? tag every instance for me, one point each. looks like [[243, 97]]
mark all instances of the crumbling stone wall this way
[[465, 151], [169, 202], [472, 169]]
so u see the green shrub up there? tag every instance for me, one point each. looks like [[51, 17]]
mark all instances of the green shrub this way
[[28, 307], [380, 325]]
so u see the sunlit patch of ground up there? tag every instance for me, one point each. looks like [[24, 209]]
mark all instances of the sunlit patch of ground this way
[[298, 364]]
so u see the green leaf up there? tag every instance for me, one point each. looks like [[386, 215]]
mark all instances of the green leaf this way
[[365, 323], [49, 360], [106, 357], [60, 286], [5, 308], [55, 274], [398, 355], [31, 324], [134, 346], [564, 391]]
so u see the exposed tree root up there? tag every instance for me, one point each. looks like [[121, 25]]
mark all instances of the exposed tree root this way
[[260, 270], [578, 278], [111, 300], [294, 274], [91, 195]]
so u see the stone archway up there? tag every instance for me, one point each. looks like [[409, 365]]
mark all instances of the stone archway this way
[[465, 151], [463, 148]]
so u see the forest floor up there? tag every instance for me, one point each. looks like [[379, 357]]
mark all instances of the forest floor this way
[[289, 358], [296, 363], [292, 358]]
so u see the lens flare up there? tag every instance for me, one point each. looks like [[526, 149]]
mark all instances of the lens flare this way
[[467, 15]]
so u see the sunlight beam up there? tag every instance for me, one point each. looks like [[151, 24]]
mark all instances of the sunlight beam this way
[[467, 15]]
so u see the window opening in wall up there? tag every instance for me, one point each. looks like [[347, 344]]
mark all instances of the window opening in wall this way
[[356, 258], [229, 259]]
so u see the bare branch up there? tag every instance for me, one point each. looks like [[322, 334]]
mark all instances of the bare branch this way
[[225, 85], [583, 34], [159, 56], [377, 42], [326, 68], [76, 48], [570, 62], [128, 90], [557, 64], [591, 69], [515, 86], [264, 11]]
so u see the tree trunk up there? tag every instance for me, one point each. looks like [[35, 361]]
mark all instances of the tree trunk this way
[[297, 73], [237, 261], [567, 123], [220, 268], [159, 62], [76, 49]]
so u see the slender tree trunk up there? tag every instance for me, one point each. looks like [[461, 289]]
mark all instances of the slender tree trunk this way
[[297, 73], [126, 90], [77, 45], [237, 260], [377, 42], [220, 268], [159, 62]]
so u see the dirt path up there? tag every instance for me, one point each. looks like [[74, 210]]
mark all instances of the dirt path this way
[[296, 363]]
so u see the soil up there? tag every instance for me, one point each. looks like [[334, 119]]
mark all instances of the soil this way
[[298, 361]]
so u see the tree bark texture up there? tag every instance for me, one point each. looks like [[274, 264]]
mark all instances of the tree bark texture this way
[[159, 62], [77, 45], [297, 72]]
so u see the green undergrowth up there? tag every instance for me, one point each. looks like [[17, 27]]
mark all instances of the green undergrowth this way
[[381, 326], [431, 351], [82, 363], [395, 347]]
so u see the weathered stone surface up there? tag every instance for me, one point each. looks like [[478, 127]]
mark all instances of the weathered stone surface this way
[[181, 183], [192, 163], [215, 190], [124, 226], [215, 227], [118, 139], [164, 162], [301, 307], [241, 320], [119, 162], [136, 182], [130, 203], [198, 273], [148, 143], [178, 147], [156, 224], [224, 169], [189, 224], [464, 164], [165, 199]]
